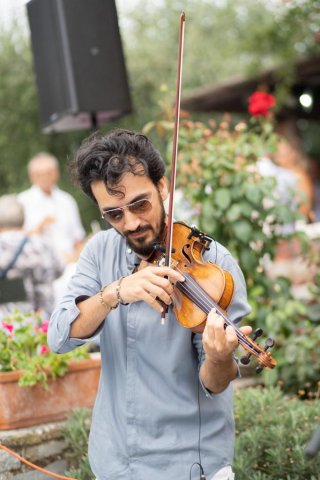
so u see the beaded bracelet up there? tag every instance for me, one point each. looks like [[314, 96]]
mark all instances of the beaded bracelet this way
[[105, 304], [118, 292]]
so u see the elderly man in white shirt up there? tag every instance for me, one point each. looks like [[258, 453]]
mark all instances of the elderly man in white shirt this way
[[50, 211]]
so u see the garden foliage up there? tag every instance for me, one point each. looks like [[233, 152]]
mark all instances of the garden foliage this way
[[272, 431]]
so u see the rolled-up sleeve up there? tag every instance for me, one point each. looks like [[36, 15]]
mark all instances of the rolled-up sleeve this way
[[84, 283]]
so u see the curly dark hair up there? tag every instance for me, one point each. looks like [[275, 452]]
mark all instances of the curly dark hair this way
[[109, 157]]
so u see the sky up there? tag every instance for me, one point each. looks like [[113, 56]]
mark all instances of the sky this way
[[11, 8]]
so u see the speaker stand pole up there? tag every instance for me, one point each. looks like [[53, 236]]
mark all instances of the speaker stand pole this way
[[94, 125]]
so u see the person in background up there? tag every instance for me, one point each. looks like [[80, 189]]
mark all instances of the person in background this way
[[286, 186], [26, 257], [156, 380], [290, 157], [51, 212]]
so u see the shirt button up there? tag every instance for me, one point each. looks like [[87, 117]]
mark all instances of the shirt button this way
[[129, 250]]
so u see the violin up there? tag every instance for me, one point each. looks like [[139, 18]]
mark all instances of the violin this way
[[206, 285]]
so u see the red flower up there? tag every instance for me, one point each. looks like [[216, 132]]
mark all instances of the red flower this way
[[260, 104], [44, 326], [8, 327], [44, 349]]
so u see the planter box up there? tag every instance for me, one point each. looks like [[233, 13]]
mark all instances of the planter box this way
[[26, 406]]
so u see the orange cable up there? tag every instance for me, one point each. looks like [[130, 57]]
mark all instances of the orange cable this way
[[56, 475]]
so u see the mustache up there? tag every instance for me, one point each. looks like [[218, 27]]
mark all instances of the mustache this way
[[145, 228]]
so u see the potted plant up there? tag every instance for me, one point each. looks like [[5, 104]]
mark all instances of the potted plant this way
[[36, 385]]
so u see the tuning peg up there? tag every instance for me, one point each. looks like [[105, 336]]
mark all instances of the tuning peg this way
[[245, 360], [269, 344], [257, 333]]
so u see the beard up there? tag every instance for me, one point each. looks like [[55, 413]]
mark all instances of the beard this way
[[139, 245]]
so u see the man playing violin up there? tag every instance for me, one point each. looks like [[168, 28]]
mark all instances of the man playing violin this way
[[164, 404]]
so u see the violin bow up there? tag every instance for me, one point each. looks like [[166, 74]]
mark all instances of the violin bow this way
[[168, 252]]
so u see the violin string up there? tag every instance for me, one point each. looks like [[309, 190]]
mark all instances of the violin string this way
[[209, 303], [204, 302], [207, 307], [242, 339]]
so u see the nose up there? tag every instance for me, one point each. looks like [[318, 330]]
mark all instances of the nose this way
[[131, 221]]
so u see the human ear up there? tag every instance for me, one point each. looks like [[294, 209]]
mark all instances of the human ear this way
[[163, 188]]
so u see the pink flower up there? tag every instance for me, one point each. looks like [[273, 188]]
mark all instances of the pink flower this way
[[44, 349], [8, 327], [260, 104], [44, 326]]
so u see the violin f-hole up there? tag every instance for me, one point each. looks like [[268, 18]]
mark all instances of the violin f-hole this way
[[186, 255]]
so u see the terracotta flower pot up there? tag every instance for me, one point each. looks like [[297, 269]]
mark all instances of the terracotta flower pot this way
[[26, 406]]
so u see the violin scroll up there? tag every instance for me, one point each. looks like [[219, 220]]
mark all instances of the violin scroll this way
[[263, 356]]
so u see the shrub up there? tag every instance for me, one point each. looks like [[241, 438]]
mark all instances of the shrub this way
[[271, 433]]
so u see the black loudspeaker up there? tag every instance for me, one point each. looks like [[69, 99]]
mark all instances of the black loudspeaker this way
[[79, 63]]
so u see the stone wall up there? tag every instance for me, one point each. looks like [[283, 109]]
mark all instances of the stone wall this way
[[43, 445]]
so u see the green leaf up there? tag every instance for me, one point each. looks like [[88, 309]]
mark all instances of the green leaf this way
[[242, 230], [248, 260], [234, 213], [253, 194], [222, 198]]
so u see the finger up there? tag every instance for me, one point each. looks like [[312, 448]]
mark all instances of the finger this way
[[231, 336], [172, 274], [166, 285], [162, 283], [215, 324], [149, 298], [246, 330], [160, 293], [212, 316], [169, 288]]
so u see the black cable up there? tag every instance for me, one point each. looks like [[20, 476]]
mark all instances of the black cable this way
[[199, 410], [202, 475], [199, 463]]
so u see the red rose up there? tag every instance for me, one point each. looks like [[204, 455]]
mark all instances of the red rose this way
[[260, 103]]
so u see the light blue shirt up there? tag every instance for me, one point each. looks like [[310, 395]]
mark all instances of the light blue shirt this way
[[145, 421]]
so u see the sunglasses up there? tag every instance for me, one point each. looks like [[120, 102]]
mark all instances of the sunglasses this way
[[115, 215]]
